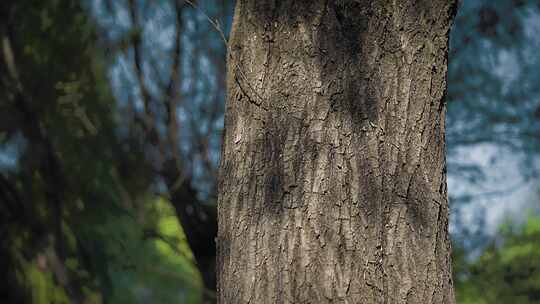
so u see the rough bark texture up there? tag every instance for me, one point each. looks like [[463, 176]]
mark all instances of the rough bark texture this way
[[332, 180]]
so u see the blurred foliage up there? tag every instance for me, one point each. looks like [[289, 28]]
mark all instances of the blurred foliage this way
[[79, 222], [149, 257], [508, 271]]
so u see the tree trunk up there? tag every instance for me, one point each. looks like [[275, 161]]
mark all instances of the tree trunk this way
[[199, 223], [332, 178]]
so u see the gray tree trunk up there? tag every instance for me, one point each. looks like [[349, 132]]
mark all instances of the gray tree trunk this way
[[332, 185]]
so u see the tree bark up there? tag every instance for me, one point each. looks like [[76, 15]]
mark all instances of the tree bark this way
[[332, 185]]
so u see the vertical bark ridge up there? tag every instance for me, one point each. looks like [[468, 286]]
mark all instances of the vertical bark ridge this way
[[332, 178]]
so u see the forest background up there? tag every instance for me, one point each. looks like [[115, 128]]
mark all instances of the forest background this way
[[111, 115]]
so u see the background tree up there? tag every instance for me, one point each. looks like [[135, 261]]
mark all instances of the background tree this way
[[168, 75]]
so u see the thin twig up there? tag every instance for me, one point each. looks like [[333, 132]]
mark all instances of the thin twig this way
[[217, 27]]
